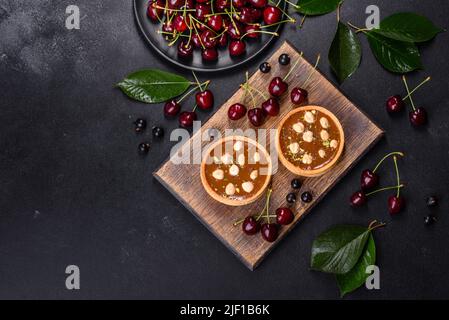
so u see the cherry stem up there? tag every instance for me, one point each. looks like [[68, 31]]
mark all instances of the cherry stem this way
[[397, 175], [301, 23], [374, 225], [357, 29], [260, 31], [276, 23], [416, 88], [194, 107], [293, 67], [290, 3], [408, 92], [385, 157], [191, 90], [338, 12], [384, 189], [196, 31], [197, 81], [311, 72]]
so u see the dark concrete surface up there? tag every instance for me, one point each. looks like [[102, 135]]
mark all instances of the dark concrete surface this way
[[74, 191]]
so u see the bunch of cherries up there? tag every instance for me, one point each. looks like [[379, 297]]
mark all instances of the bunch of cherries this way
[[395, 104], [208, 25], [276, 88], [370, 179], [204, 99], [283, 216]]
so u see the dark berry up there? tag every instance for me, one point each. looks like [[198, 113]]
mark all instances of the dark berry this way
[[284, 216], [215, 22], [140, 125], [296, 183], [143, 148], [171, 108], [418, 117], [284, 59], [432, 201], [258, 3], [298, 95], [158, 132], [269, 232], [358, 199], [235, 31], [236, 111], [395, 204], [277, 87], [395, 104], [430, 219], [250, 226], [210, 54], [208, 39], [257, 116], [306, 197], [204, 99], [180, 23], [271, 107], [265, 67], [186, 119], [185, 49], [201, 10], [237, 48], [291, 197], [271, 15], [368, 179]]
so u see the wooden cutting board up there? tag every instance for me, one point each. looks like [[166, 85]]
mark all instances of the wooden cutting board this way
[[183, 181]]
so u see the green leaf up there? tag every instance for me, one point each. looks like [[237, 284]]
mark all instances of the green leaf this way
[[350, 281], [345, 52], [393, 55], [153, 86], [317, 7], [338, 249], [409, 27]]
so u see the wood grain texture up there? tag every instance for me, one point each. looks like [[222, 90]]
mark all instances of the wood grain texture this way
[[184, 182]]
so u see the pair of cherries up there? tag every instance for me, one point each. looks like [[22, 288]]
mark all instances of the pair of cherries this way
[[395, 104], [204, 100], [370, 179]]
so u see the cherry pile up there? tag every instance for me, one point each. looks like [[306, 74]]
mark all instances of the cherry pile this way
[[209, 25], [370, 179], [204, 99], [277, 87], [283, 216], [395, 104]]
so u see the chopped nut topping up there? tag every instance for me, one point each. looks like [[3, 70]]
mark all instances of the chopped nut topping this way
[[321, 153], [254, 174], [334, 144], [248, 186], [218, 174], [230, 189], [309, 117], [307, 158], [324, 135], [294, 147], [226, 158], [307, 136], [324, 122], [241, 159], [298, 127]]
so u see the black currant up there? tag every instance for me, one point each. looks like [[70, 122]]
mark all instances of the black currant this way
[[291, 197], [158, 132], [296, 183], [432, 201], [143, 148], [265, 67], [284, 59], [140, 124], [306, 197], [428, 220]]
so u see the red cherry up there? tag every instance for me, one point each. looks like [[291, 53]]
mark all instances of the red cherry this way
[[237, 48], [186, 119], [205, 99], [236, 111], [208, 39], [215, 22], [269, 232], [175, 4], [272, 15], [210, 54], [298, 95], [257, 14], [155, 14], [258, 3], [238, 3], [221, 5], [358, 199], [256, 116], [168, 27], [284, 216], [196, 40], [202, 1], [223, 40], [187, 4], [395, 204], [235, 33], [368, 179], [252, 31], [271, 107], [250, 226], [180, 23], [246, 15], [418, 117], [201, 11], [395, 104], [171, 108], [185, 49], [277, 87]]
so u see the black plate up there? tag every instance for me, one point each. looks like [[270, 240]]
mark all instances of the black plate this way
[[224, 62]]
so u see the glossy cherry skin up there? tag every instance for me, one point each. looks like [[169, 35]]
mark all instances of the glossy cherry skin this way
[[271, 107], [256, 116], [298, 95], [186, 119], [418, 117], [204, 99], [250, 226], [284, 216], [269, 232], [155, 13], [171, 108], [180, 23], [235, 33], [246, 15], [395, 104], [210, 54], [271, 15], [257, 14], [196, 40], [221, 5], [395, 204], [185, 49], [358, 199], [201, 10], [208, 39], [175, 4], [223, 40], [258, 3], [237, 48], [277, 87], [368, 179], [187, 4], [236, 111], [168, 28], [252, 31], [238, 3], [215, 22]]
